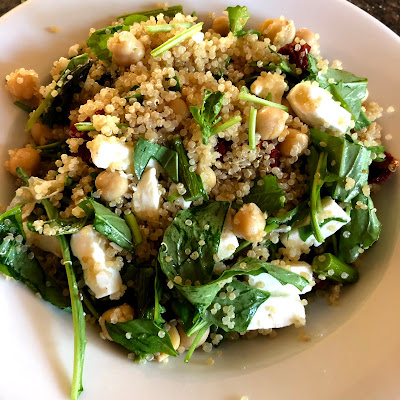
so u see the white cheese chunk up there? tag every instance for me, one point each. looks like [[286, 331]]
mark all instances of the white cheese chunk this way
[[90, 248], [110, 152], [277, 312], [227, 245], [270, 284], [330, 209], [316, 107], [180, 201], [146, 198]]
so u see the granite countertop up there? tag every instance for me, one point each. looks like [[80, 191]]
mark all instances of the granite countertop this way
[[387, 11]]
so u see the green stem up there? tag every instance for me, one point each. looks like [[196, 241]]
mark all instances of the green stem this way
[[89, 305], [314, 199], [331, 267], [252, 128], [167, 27], [88, 126], [23, 106], [134, 227], [199, 335], [226, 125], [179, 38], [78, 320], [259, 100]]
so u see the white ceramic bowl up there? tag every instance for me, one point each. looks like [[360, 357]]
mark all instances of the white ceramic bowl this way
[[354, 348]]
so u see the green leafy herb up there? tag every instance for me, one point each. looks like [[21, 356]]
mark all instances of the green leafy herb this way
[[207, 116], [283, 65], [345, 87], [169, 12], [78, 67], [330, 266], [168, 159], [198, 224], [361, 232], [268, 195], [306, 231], [23, 106], [179, 38], [135, 19], [238, 17], [97, 41], [132, 94], [61, 226], [246, 302], [177, 87], [111, 226], [346, 160], [16, 261], [246, 96], [191, 180], [145, 337]]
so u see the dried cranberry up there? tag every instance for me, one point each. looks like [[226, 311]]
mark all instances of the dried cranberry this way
[[379, 172], [223, 147], [275, 155], [297, 54]]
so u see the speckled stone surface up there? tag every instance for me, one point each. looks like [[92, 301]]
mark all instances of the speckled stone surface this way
[[387, 11]]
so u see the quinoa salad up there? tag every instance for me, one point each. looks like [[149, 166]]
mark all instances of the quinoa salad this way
[[182, 186]]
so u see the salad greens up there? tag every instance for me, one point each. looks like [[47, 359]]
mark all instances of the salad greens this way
[[55, 109], [168, 159], [169, 12], [267, 194]]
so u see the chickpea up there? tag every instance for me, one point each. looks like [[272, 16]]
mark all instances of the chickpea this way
[[270, 123], [280, 31], [269, 83], [249, 223], [187, 341], [27, 158], [40, 133], [121, 313], [23, 84], [309, 37], [179, 107], [125, 49], [294, 144], [112, 185], [175, 340], [221, 25], [208, 177]]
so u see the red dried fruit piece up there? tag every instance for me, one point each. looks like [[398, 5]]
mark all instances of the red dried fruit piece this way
[[223, 147], [379, 172], [297, 54], [275, 155]]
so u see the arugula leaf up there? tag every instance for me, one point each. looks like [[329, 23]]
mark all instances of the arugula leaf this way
[[135, 95], [245, 304], [198, 224], [345, 87], [283, 64], [306, 231], [78, 67], [135, 19], [377, 152], [206, 117], [364, 228], [145, 337], [191, 180], [52, 150], [268, 196], [177, 87], [290, 217], [331, 267], [16, 262], [111, 226], [169, 12], [346, 160], [238, 17], [97, 41], [61, 226], [168, 159], [140, 290]]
